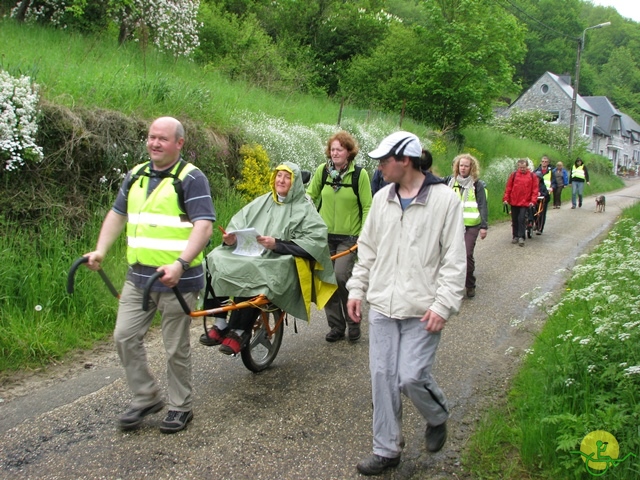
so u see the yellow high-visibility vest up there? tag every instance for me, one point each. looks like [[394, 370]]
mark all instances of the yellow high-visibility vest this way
[[578, 172], [157, 229]]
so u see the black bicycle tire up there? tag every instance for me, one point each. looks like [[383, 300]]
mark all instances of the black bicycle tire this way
[[249, 353]]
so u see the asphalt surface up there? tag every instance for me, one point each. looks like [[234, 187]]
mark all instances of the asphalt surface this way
[[309, 415]]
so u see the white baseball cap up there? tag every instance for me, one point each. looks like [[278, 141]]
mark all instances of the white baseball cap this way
[[399, 144]]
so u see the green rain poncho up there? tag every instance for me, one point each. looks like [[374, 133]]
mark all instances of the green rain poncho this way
[[281, 278]]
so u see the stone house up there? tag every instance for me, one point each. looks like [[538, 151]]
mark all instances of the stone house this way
[[611, 133]]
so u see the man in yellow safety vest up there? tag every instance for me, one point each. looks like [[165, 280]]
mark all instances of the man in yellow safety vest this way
[[165, 205]]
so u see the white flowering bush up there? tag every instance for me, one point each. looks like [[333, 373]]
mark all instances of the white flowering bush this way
[[172, 24], [497, 173], [18, 121], [305, 146], [51, 11]]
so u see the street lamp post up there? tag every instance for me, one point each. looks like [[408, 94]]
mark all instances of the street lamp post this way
[[572, 120]]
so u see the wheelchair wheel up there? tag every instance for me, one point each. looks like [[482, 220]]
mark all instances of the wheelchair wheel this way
[[538, 225], [265, 341], [529, 221]]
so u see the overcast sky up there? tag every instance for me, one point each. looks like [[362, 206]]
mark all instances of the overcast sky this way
[[626, 8]]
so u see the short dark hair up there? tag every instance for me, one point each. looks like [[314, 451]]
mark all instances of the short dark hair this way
[[422, 163]]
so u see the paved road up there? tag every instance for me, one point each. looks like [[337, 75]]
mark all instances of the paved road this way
[[309, 416]]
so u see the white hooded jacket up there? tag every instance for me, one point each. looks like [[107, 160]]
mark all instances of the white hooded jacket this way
[[412, 261]]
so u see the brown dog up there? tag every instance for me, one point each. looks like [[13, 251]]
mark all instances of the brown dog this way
[[600, 203]]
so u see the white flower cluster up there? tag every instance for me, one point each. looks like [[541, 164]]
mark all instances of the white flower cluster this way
[[43, 9], [175, 24], [635, 370], [18, 126], [498, 172], [304, 145]]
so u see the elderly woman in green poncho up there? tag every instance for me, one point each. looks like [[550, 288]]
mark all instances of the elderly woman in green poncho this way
[[294, 238]]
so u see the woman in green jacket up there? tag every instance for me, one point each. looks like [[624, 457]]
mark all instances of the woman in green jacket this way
[[342, 192]]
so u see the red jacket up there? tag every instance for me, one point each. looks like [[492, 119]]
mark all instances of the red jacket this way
[[521, 190]]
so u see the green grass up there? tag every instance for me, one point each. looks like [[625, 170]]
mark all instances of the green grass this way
[[582, 375], [39, 323]]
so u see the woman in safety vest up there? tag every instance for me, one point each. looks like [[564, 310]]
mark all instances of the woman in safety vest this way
[[577, 178], [471, 189]]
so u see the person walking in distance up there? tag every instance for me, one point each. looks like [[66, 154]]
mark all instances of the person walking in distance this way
[[166, 207], [471, 190], [578, 176], [342, 192], [411, 270], [559, 180], [546, 173], [521, 193]]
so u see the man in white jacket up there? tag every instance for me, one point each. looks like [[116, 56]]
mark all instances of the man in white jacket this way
[[411, 270]]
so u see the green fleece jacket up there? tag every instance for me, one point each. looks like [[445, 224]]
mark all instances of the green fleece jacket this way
[[339, 209]]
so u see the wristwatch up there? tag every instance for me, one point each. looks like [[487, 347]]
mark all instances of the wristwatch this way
[[184, 263]]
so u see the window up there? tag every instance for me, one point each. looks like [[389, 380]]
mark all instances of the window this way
[[554, 116], [588, 125], [615, 126], [544, 88]]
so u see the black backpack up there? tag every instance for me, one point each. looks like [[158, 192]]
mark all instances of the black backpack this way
[[355, 178]]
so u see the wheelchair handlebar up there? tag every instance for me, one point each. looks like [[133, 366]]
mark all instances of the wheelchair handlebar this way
[[103, 275], [147, 292], [345, 253]]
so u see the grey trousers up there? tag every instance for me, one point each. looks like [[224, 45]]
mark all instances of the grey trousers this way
[[401, 354], [131, 326], [336, 307]]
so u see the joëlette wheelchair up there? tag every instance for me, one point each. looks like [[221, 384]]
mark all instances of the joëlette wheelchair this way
[[266, 338]]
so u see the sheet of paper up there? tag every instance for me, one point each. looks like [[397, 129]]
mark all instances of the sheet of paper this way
[[247, 243]]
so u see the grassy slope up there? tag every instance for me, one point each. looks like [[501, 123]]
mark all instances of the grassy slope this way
[[92, 72]]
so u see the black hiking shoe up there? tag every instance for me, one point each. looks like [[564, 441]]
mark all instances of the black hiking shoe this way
[[375, 464], [436, 436], [133, 417], [334, 335], [354, 333], [175, 421]]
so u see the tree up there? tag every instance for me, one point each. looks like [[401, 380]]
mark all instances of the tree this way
[[346, 31], [620, 81], [329, 32], [448, 71], [553, 27]]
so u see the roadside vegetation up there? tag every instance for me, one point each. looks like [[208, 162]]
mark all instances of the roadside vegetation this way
[[582, 372]]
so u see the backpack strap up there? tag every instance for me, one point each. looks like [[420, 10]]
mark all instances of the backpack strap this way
[[145, 171], [355, 186], [142, 171], [177, 184]]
